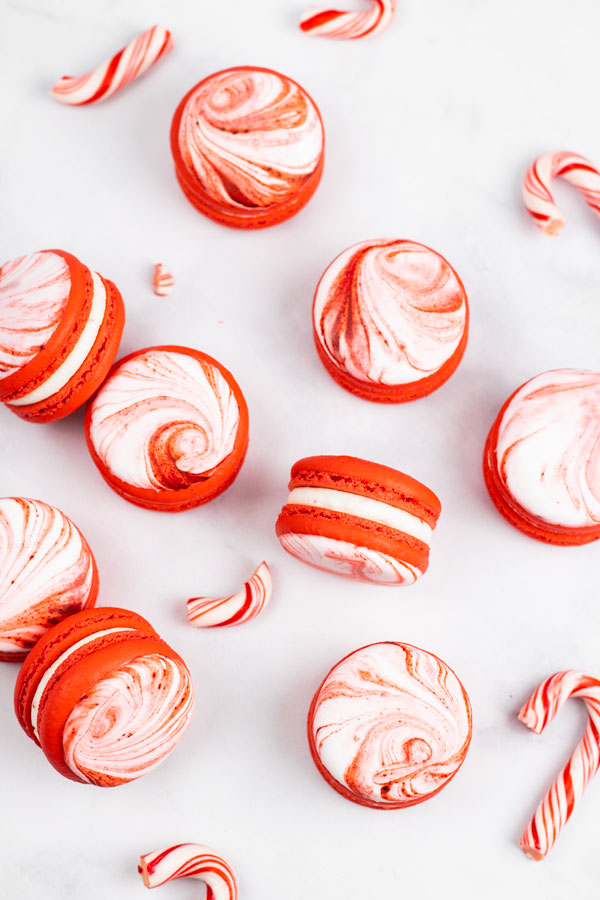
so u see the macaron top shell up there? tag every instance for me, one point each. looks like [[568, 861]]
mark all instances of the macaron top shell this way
[[34, 291], [390, 312], [547, 448], [47, 572], [368, 479], [250, 138], [167, 419], [390, 725]]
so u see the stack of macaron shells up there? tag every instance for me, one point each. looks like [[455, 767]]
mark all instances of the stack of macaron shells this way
[[104, 697], [60, 330], [47, 572], [248, 146], [358, 519], [542, 457], [390, 320], [168, 429], [389, 726]]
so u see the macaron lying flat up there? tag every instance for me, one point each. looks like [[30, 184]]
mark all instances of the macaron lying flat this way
[[542, 457], [104, 697], [390, 726], [248, 146], [60, 330], [390, 320], [358, 519], [168, 429], [47, 572]]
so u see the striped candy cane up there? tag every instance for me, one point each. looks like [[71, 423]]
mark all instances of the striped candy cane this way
[[190, 861], [557, 806], [129, 63], [335, 23], [240, 607], [575, 169], [162, 282]]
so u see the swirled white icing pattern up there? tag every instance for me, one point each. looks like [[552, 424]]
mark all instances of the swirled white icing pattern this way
[[389, 312], [548, 447], [391, 724], [251, 137], [349, 560], [34, 290], [129, 721], [164, 420], [46, 571]]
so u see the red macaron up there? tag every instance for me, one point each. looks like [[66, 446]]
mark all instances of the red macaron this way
[[104, 697], [168, 429], [248, 146], [60, 330], [359, 519]]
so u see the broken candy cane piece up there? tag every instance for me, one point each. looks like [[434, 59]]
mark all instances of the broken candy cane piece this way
[[190, 861], [129, 63], [162, 282], [240, 607], [336, 23], [557, 806], [575, 169]]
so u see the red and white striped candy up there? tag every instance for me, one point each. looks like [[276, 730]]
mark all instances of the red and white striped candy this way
[[190, 861], [240, 607], [162, 282], [557, 806], [575, 169], [335, 23], [129, 63]]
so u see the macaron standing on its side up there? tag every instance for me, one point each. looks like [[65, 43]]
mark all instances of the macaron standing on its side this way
[[104, 697], [168, 429], [248, 146], [47, 572], [390, 320], [358, 519], [542, 457], [60, 330], [390, 726]]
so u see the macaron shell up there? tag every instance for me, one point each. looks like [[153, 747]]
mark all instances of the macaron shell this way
[[352, 530], [253, 217], [87, 666], [57, 641], [368, 479], [404, 393], [65, 335], [518, 517], [201, 491], [91, 374]]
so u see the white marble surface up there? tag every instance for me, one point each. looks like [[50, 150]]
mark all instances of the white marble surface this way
[[430, 128]]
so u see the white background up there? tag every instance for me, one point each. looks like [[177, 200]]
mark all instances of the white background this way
[[430, 128]]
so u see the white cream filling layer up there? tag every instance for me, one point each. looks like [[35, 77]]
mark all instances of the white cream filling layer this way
[[78, 354], [37, 697], [364, 508]]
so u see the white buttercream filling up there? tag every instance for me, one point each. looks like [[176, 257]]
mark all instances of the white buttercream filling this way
[[364, 508], [37, 697], [78, 355]]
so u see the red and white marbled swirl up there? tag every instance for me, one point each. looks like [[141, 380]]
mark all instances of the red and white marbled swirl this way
[[163, 420], [34, 290], [548, 447], [251, 137], [130, 721], [389, 312], [47, 572], [390, 725]]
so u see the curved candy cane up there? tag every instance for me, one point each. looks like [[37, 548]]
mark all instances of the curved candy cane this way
[[190, 861], [335, 23], [162, 282], [240, 607], [129, 63], [555, 809], [575, 169]]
